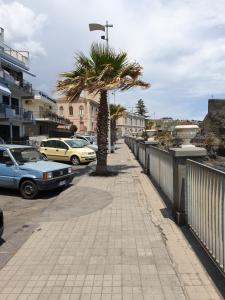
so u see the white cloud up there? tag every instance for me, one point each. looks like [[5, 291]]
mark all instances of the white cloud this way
[[22, 26], [181, 44]]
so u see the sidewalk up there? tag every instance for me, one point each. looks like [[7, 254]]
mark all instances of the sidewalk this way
[[114, 243]]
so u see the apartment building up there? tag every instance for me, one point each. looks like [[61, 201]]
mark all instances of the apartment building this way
[[130, 124], [83, 113], [13, 87], [45, 114]]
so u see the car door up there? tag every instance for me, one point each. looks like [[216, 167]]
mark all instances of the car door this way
[[7, 170], [61, 151], [48, 148]]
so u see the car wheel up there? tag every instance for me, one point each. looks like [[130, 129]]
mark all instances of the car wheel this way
[[45, 156], [75, 160], [28, 189]]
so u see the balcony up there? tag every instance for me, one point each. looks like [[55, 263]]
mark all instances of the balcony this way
[[18, 57], [49, 116], [22, 85], [16, 113]]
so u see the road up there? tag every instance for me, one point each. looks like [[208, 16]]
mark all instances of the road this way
[[21, 216]]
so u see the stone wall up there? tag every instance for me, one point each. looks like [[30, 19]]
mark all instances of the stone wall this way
[[214, 121]]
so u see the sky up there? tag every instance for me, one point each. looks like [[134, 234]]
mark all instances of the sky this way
[[179, 43]]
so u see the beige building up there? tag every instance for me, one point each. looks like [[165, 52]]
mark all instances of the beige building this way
[[83, 113], [130, 124]]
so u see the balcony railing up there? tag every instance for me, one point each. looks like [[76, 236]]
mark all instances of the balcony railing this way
[[21, 56], [50, 117], [22, 84], [15, 113]]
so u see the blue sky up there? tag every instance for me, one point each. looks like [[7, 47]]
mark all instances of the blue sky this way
[[180, 44]]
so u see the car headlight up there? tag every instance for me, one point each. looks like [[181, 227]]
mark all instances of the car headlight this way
[[47, 175], [69, 170]]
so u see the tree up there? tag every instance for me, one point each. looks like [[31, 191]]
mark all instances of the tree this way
[[73, 128], [116, 111], [101, 71], [141, 109]]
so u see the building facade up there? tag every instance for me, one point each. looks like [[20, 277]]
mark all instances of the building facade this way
[[45, 115], [130, 124], [13, 87], [83, 113]]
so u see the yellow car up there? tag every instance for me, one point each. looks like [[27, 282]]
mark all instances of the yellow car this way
[[66, 150]]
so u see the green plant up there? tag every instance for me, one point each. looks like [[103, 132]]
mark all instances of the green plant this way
[[73, 128]]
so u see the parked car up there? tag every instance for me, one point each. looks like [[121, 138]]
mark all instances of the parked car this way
[[67, 150], [87, 144], [25, 168], [83, 137], [1, 222]]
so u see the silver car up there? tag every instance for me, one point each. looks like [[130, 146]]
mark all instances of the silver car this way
[[85, 143]]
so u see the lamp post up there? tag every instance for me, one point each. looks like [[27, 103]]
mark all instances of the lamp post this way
[[105, 28]]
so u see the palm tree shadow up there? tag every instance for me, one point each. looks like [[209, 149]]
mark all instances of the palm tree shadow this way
[[2, 241]]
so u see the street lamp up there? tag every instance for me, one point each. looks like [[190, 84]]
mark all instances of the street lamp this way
[[105, 28]]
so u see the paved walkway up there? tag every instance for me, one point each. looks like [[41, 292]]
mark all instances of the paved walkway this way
[[125, 249]]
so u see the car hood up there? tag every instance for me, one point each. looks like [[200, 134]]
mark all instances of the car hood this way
[[43, 166], [93, 147]]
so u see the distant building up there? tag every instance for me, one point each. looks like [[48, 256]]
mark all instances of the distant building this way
[[13, 87], [83, 113], [131, 123]]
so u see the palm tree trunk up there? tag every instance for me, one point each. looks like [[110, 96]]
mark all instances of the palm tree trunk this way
[[102, 133]]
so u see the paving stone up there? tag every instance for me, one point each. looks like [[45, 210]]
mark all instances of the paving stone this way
[[113, 251]]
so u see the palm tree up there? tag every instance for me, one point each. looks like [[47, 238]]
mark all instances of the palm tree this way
[[116, 111], [102, 71]]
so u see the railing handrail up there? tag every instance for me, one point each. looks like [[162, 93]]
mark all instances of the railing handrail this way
[[160, 150], [5, 48], [193, 162]]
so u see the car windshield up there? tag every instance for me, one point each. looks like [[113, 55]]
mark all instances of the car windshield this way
[[83, 142], [23, 155], [75, 143]]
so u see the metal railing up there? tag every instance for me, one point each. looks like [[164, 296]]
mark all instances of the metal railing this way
[[15, 113], [205, 192], [22, 84], [22, 56], [47, 115], [161, 170]]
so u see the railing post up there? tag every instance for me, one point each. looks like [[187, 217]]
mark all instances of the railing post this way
[[147, 153], [180, 155]]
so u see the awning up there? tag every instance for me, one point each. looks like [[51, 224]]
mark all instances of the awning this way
[[4, 89], [16, 67]]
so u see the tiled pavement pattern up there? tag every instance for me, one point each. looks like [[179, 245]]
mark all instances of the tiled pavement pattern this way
[[126, 250]]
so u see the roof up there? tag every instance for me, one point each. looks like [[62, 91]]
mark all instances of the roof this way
[[12, 146], [80, 100]]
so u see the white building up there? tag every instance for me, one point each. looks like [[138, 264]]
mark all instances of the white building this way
[[130, 124], [13, 87]]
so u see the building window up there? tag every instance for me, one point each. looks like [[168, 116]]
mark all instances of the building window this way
[[81, 111], [61, 110], [71, 110]]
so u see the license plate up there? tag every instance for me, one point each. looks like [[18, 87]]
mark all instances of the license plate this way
[[62, 182]]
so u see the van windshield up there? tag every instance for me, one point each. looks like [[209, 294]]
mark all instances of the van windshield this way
[[23, 155]]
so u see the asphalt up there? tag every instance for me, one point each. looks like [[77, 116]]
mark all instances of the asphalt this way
[[22, 217]]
